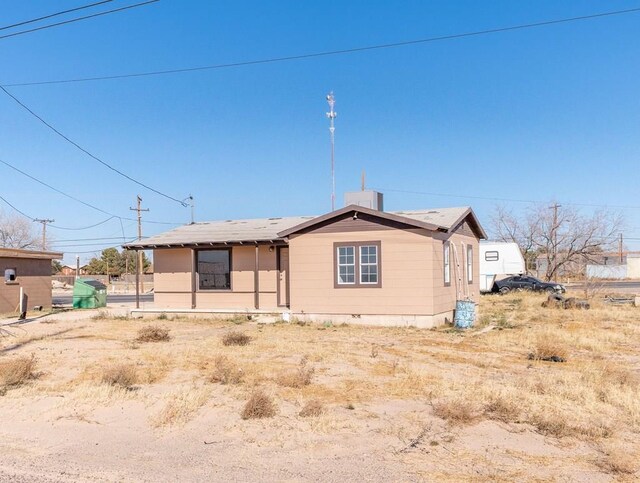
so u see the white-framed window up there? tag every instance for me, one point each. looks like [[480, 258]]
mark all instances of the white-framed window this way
[[447, 263], [470, 263], [369, 264], [491, 256], [346, 265]]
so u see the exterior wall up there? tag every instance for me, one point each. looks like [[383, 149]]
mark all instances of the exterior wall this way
[[633, 266], [413, 292], [172, 280], [405, 259], [444, 297], [33, 275]]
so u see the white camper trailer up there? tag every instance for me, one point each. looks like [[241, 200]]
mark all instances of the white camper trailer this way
[[499, 260]]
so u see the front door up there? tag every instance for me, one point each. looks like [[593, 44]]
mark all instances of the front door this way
[[283, 276]]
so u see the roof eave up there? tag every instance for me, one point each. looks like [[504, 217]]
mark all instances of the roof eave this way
[[358, 209]]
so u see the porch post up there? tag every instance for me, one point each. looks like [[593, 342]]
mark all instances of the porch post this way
[[256, 278], [193, 278], [137, 280]]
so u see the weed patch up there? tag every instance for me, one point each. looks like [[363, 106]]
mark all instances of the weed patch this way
[[153, 333], [122, 375], [17, 371], [259, 405], [225, 371], [235, 338], [312, 409]]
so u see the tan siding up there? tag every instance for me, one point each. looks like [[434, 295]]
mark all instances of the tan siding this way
[[33, 275], [405, 261], [172, 270], [172, 279], [444, 298], [172, 300]]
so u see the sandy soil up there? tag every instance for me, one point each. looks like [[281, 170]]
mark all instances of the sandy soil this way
[[381, 390]]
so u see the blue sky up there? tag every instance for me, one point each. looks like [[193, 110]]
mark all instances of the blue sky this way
[[551, 113]]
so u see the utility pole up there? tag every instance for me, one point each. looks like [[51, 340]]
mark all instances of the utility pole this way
[[192, 205], [44, 230], [332, 115], [139, 281], [620, 248], [362, 180]]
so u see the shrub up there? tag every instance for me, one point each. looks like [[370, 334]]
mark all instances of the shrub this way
[[153, 333], [502, 409], [549, 349], [313, 408], [259, 405], [299, 378], [618, 461], [123, 375], [17, 371], [235, 338], [456, 412], [225, 371]]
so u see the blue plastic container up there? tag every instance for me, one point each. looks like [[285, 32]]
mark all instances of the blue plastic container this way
[[465, 314]]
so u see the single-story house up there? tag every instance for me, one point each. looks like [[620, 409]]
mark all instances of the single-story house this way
[[70, 270], [28, 270], [355, 265]]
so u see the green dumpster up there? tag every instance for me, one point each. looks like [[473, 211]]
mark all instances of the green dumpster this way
[[89, 294]]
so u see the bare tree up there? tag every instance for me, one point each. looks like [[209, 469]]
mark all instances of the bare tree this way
[[560, 234], [509, 228], [16, 232]]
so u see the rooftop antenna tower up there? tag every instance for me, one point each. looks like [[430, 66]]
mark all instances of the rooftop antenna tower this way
[[332, 115]]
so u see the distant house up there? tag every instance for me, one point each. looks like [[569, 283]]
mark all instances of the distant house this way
[[70, 270], [28, 270], [355, 265]]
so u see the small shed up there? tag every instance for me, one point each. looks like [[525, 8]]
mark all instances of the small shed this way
[[29, 270]]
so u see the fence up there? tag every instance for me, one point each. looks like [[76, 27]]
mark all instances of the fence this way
[[70, 279], [617, 272]]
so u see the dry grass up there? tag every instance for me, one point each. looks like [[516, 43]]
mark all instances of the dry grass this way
[[549, 348], [225, 371], [312, 409], [181, 406], [260, 405], [124, 375], [153, 333], [457, 412], [385, 375], [16, 371], [235, 337], [297, 379], [619, 461]]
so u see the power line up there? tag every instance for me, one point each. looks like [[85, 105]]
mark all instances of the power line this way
[[328, 53], [514, 200], [55, 245], [31, 218], [22, 32], [25, 22], [84, 227], [73, 198], [89, 239], [104, 163]]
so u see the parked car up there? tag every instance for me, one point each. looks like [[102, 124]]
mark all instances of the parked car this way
[[525, 282]]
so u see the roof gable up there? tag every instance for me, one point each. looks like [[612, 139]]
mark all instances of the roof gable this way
[[444, 220]]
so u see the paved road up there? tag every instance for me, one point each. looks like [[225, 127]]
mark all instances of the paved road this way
[[111, 299]]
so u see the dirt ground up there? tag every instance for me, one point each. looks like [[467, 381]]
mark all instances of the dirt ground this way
[[84, 400]]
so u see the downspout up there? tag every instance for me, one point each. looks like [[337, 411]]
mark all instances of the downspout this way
[[256, 279], [193, 278]]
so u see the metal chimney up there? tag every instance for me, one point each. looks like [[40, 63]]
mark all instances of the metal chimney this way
[[367, 198]]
